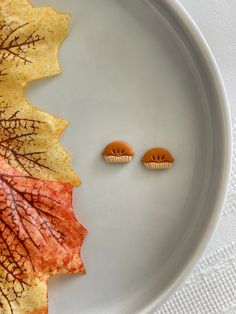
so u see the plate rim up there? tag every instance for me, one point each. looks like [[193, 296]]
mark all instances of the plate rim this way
[[180, 15]]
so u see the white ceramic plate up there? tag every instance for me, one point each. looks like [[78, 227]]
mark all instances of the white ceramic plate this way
[[138, 71]]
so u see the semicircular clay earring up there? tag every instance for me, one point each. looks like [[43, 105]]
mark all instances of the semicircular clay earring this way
[[118, 152], [158, 158]]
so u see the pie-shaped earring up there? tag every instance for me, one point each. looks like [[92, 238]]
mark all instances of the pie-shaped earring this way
[[118, 152], [158, 158]]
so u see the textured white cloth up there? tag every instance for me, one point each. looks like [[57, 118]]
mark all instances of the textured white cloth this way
[[211, 288]]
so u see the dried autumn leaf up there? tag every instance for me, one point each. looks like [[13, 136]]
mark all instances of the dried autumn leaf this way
[[29, 43], [39, 237], [29, 142], [39, 234]]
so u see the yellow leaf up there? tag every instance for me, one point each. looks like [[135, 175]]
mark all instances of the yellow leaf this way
[[32, 298], [29, 43]]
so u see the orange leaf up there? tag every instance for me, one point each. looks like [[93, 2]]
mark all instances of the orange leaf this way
[[39, 237]]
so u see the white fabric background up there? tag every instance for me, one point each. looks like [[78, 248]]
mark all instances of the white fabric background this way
[[211, 288]]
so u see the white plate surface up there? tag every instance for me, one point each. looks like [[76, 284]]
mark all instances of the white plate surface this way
[[138, 71]]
